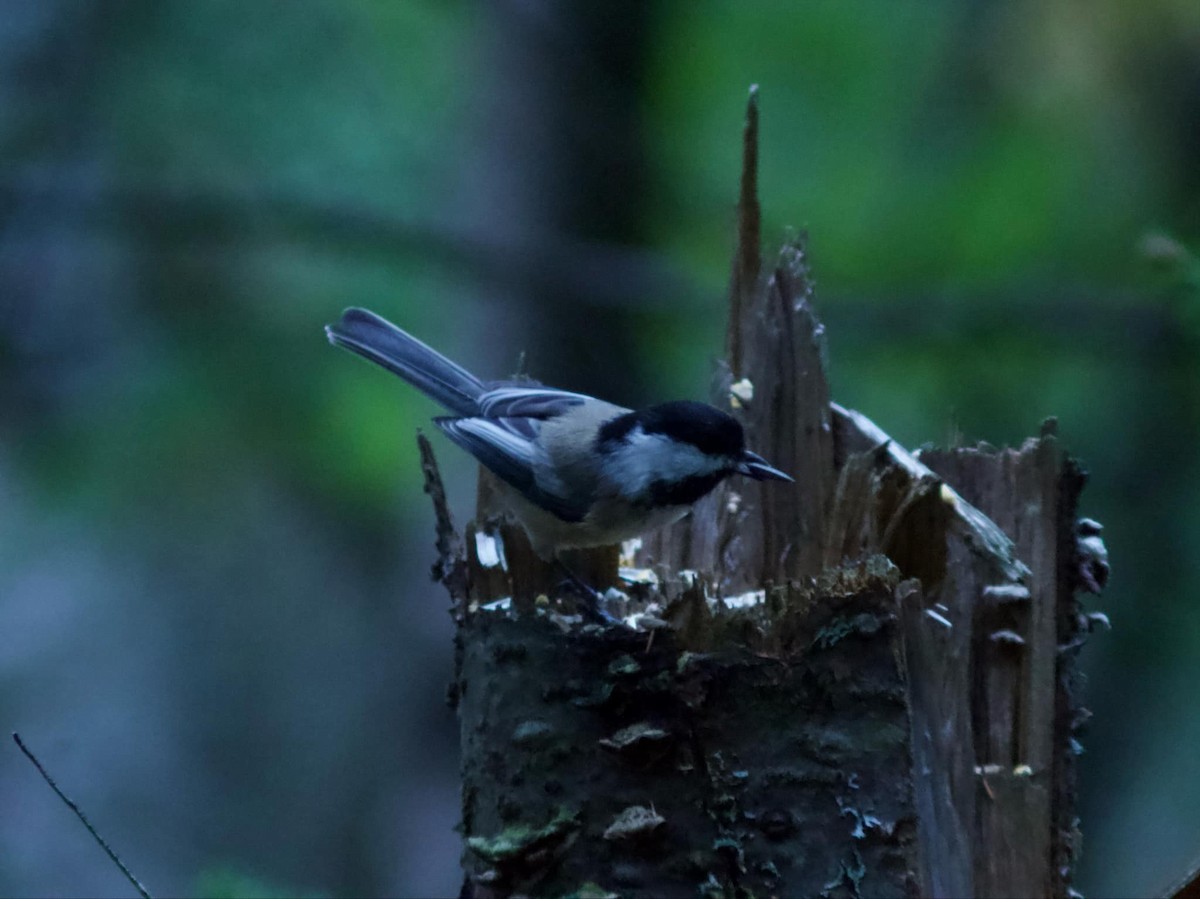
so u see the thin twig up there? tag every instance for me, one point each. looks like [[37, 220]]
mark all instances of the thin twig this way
[[1187, 887], [81, 816]]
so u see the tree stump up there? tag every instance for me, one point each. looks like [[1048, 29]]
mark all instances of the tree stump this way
[[862, 684]]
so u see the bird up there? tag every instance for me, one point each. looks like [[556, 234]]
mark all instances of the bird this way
[[578, 471]]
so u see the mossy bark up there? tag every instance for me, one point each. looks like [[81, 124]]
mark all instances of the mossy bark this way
[[726, 767]]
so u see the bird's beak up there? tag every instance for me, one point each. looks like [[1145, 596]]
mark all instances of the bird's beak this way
[[752, 465]]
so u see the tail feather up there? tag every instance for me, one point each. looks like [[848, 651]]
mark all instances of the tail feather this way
[[377, 339]]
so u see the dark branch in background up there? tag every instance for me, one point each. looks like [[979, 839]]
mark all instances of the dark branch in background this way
[[600, 273], [81, 816], [604, 274]]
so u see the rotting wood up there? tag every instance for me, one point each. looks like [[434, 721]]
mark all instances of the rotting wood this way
[[862, 684], [1026, 693], [768, 753]]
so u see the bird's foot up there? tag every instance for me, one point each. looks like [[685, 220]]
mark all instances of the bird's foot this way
[[592, 607]]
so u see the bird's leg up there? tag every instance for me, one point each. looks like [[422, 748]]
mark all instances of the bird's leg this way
[[593, 600]]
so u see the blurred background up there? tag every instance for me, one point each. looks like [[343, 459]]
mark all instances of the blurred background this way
[[217, 627]]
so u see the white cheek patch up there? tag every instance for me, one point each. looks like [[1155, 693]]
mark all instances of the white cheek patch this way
[[646, 458]]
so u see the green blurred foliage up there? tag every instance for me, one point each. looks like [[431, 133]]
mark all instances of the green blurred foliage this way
[[227, 883]]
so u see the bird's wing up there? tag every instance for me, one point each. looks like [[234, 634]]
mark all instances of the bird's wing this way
[[528, 402], [507, 447]]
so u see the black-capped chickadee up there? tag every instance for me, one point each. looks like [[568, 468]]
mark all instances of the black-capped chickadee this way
[[583, 472]]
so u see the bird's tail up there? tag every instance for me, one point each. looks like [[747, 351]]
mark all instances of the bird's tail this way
[[429, 371]]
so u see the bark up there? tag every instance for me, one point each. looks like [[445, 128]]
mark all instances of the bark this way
[[603, 756], [862, 685]]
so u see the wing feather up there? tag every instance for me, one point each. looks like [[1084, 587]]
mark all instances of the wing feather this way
[[528, 402], [507, 447]]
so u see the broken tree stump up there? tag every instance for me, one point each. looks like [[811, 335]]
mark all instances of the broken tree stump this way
[[861, 684]]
